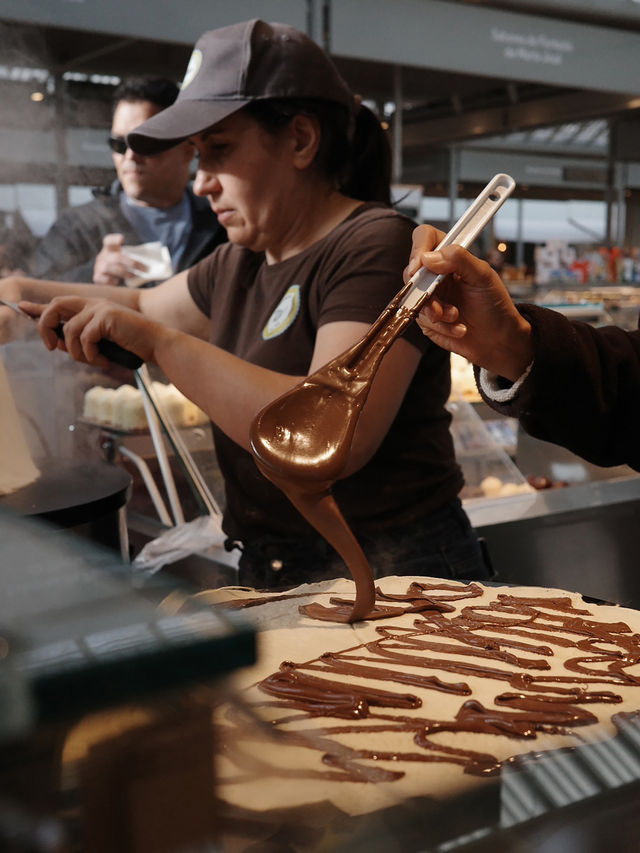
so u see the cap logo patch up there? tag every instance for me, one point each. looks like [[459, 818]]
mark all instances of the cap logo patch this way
[[192, 68], [284, 314]]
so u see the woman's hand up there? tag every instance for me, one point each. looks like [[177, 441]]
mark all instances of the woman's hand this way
[[88, 321], [471, 312]]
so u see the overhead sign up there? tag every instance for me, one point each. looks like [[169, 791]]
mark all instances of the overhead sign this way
[[448, 36], [478, 40]]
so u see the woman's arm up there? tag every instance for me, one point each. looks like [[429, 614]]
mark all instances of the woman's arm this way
[[165, 326], [19, 288], [232, 391], [169, 302], [15, 287]]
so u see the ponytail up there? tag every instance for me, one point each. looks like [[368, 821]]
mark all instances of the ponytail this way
[[369, 176], [357, 163]]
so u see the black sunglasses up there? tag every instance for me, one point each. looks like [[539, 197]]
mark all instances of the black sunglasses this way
[[118, 144]]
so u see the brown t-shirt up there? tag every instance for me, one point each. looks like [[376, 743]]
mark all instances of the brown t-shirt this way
[[269, 316]]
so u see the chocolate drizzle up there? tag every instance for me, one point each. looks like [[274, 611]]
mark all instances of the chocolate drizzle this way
[[509, 641], [302, 443]]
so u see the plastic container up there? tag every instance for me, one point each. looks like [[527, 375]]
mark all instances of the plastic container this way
[[488, 471]]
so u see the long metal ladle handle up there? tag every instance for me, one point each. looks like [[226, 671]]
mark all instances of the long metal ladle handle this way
[[463, 233]]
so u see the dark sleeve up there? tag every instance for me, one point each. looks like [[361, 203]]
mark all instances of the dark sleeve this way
[[365, 272], [200, 279], [583, 391]]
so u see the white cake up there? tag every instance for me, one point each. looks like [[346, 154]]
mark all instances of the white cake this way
[[123, 407], [463, 382], [430, 701], [16, 465]]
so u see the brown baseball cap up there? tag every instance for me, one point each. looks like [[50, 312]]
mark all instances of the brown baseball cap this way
[[232, 66]]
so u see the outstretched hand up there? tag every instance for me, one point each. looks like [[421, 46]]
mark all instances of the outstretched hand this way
[[471, 312], [88, 321]]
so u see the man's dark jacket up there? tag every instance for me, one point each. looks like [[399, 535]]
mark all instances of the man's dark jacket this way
[[68, 250], [583, 391]]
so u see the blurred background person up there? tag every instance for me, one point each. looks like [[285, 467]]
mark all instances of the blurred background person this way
[[150, 201]]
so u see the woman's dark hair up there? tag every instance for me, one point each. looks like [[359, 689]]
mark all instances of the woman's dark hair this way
[[357, 159]]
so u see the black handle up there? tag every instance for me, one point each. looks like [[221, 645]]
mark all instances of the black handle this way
[[114, 352]]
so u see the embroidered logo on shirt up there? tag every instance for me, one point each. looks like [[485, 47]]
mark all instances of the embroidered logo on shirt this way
[[284, 314]]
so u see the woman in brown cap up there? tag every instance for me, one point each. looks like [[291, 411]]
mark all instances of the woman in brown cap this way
[[299, 177]]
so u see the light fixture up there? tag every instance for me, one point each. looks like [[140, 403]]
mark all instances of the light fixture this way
[[37, 96], [502, 247]]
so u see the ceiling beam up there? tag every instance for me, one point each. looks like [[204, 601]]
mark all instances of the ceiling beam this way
[[577, 106]]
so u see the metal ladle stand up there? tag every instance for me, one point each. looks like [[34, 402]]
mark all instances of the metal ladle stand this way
[[159, 423]]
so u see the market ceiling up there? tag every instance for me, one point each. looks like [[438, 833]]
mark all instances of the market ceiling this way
[[460, 106], [440, 107]]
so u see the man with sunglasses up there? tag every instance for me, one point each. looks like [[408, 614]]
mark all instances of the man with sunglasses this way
[[150, 201]]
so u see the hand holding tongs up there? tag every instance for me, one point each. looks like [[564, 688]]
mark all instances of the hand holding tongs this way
[[114, 352]]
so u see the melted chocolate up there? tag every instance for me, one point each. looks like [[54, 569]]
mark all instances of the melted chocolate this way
[[302, 441], [242, 603], [509, 641]]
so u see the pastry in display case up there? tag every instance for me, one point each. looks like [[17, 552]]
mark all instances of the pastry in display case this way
[[123, 407], [163, 440]]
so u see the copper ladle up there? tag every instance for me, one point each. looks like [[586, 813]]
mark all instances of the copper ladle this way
[[301, 441]]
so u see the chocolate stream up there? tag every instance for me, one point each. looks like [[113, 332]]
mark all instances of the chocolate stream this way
[[302, 442]]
